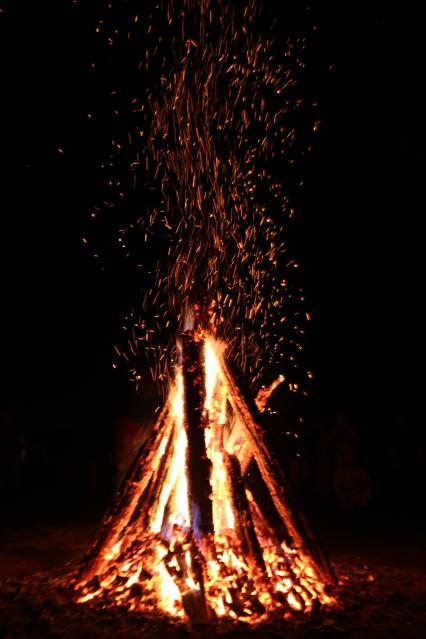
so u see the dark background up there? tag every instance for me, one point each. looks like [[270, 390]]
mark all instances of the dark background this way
[[359, 235]]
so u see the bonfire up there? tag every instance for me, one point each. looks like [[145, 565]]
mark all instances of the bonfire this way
[[204, 526]]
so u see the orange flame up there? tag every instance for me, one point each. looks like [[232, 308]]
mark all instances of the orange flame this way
[[156, 551]]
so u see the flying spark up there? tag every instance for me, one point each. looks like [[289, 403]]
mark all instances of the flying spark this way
[[198, 179]]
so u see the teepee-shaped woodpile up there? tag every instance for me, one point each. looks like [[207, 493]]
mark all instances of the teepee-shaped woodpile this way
[[204, 526]]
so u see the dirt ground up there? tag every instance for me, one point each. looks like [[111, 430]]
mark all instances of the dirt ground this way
[[382, 591]]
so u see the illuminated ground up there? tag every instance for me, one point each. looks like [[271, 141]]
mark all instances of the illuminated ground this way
[[383, 596]]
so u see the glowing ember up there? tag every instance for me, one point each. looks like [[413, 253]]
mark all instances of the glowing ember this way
[[164, 556], [205, 104]]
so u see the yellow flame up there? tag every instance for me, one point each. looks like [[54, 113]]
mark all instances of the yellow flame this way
[[176, 477], [113, 552], [230, 519], [231, 582], [293, 601], [170, 593], [133, 579], [211, 364]]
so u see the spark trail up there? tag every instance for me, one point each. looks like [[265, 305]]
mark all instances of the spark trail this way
[[203, 158]]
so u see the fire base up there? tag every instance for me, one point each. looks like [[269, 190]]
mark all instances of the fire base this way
[[204, 526]]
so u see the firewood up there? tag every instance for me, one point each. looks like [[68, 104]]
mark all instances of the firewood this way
[[198, 464], [244, 523], [126, 499], [262, 559], [274, 478]]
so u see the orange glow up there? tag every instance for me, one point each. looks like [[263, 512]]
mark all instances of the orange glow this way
[[157, 551]]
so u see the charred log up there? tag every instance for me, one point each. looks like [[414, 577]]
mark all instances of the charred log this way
[[198, 464], [253, 480], [244, 523], [277, 484]]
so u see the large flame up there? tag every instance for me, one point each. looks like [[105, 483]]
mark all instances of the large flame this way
[[155, 564]]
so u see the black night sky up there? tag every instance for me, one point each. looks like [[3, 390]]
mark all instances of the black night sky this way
[[360, 228]]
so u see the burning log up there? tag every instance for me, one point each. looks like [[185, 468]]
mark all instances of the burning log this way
[[278, 487], [194, 534], [126, 499], [156, 486], [263, 503], [198, 464], [192, 591], [244, 523]]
